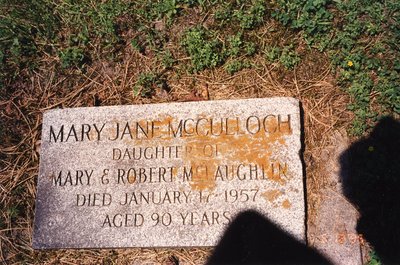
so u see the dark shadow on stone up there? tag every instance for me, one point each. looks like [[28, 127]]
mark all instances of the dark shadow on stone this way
[[303, 163], [370, 174], [252, 239]]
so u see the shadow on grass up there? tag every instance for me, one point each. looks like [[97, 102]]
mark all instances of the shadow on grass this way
[[252, 239], [370, 172]]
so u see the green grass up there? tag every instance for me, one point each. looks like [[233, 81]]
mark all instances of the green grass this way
[[27, 29], [363, 45], [204, 49], [93, 25], [374, 259], [286, 56], [145, 84], [360, 37]]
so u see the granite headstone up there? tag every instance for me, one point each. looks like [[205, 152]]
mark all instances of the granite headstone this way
[[167, 175]]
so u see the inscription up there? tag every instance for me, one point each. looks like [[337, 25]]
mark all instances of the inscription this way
[[166, 197], [154, 197], [143, 175], [147, 153], [196, 173], [123, 220], [339, 238], [72, 178], [167, 219], [94, 199], [169, 128]]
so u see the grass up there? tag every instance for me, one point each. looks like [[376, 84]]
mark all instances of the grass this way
[[361, 40], [362, 44], [374, 259], [340, 58], [23, 28]]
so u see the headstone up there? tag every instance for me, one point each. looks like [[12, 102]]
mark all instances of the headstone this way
[[167, 175]]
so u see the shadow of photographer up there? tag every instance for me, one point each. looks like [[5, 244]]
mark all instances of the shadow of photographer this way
[[370, 175], [253, 239]]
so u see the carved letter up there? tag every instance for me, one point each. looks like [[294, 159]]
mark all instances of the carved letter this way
[[59, 135]]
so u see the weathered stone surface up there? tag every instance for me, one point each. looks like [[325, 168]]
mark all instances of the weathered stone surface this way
[[171, 174], [334, 232]]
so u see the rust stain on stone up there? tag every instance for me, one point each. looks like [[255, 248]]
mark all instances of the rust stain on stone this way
[[238, 148], [92, 134], [51, 176], [174, 172], [210, 142], [271, 195], [286, 204]]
